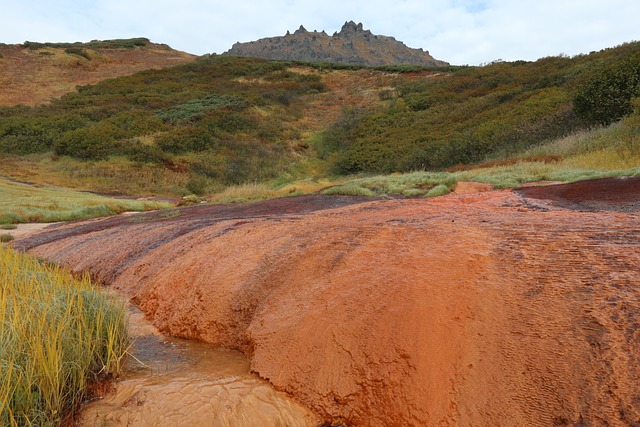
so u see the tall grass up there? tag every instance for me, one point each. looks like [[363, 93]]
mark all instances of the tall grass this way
[[415, 184], [56, 333]]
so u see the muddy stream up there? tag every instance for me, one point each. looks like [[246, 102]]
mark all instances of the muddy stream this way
[[173, 381]]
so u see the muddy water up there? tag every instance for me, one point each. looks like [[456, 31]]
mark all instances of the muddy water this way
[[185, 383]]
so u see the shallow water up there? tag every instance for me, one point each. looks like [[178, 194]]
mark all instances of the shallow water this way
[[176, 382]]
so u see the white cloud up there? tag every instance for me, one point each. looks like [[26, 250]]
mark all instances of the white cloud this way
[[458, 31]]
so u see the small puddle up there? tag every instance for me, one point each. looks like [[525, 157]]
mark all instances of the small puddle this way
[[178, 382]]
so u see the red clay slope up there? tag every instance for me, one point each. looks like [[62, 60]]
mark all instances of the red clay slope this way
[[462, 310]]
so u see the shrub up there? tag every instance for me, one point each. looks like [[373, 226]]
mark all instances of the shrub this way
[[26, 135], [144, 153], [195, 108], [4, 238], [78, 51], [607, 96], [91, 143], [186, 139]]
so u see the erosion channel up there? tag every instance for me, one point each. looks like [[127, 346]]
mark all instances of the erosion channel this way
[[170, 381], [494, 308]]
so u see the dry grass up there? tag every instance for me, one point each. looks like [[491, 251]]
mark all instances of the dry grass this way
[[114, 176], [263, 191], [56, 333]]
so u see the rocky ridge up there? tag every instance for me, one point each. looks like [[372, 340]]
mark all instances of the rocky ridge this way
[[351, 45]]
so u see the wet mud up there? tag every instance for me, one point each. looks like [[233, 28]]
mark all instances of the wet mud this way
[[495, 308], [606, 194], [172, 381]]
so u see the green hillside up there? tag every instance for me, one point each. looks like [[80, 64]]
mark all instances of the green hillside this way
[[223, 121], [477, 113]]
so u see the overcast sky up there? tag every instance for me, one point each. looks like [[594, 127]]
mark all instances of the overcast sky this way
[[458, 31]]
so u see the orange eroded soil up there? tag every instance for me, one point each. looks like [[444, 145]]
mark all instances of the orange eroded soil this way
[[495, 308]]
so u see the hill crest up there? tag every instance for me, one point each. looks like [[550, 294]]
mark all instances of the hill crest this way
[[351, 45], [34, 73]]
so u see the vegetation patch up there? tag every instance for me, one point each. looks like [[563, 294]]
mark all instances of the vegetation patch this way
[[479, 113], [247, 124], [23, 203], [196, 107], [94, 44], [56, 334]]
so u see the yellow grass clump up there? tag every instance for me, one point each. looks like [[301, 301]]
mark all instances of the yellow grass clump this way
[[56, 334]]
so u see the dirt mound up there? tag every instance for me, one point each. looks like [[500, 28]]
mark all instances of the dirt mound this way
[[461, 310], [606, 194]]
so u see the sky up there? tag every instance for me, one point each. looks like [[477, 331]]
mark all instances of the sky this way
[[461, 32]]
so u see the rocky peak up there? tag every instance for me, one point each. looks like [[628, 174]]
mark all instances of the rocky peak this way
[[351, 27], [352, 45]]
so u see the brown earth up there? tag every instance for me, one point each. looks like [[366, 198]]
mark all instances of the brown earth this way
[[31, 77], [492, 308]]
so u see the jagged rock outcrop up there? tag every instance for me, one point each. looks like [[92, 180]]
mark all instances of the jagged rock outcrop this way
[[352, 45]]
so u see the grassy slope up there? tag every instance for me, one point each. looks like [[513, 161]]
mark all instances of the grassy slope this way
[[33, 76], [237, 129], [266, 136]]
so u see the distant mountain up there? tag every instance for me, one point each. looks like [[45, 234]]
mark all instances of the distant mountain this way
[[32, 73], [352, 45]]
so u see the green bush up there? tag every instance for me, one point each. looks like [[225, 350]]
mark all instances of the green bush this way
[[607, 96], [78, 51], [92, 143], [144, 153], [195, 108], [26, 134], [186, 139]]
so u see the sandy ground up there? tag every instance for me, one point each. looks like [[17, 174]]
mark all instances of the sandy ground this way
[[497, 308]]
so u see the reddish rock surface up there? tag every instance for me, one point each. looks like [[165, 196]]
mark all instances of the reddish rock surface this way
[[493, 308]]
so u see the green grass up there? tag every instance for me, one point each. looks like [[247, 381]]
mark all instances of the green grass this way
[[415, 184], [56, 334], [23, 203], [8, 226], [430, 184], [4, 238]]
